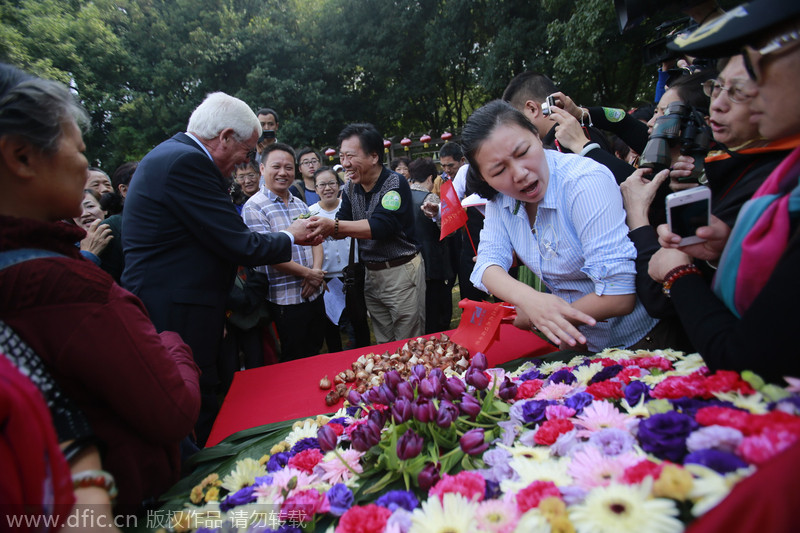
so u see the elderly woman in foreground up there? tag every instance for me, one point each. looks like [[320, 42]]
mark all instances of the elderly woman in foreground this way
[[138, 389]]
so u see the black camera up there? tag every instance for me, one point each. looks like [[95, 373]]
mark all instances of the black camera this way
[[266, 134], [683, 125]]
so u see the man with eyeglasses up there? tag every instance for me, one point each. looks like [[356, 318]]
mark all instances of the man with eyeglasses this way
[[183, 238], [308, 161]]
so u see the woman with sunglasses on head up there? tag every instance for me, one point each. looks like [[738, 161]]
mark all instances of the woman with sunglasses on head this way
[[562, 216]]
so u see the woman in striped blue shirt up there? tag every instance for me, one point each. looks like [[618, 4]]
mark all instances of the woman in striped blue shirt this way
[[562, 215]]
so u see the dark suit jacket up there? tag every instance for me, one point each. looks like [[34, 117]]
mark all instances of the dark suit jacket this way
[[183, 241]]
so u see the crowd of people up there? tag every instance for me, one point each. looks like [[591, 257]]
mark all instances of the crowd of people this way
[[129, 300]]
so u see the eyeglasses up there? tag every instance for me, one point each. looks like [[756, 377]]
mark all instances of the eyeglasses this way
[[738, 92], [753, 64], [327, 185], [307, 162]]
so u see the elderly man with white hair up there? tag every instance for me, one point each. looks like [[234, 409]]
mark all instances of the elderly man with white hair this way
[[184, 239]]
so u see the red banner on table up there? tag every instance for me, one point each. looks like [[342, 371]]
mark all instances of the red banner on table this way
[[480, 324], [453, 215]]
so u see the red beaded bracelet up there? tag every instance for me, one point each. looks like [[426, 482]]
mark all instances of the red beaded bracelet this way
[[676, 273], [95, 478]]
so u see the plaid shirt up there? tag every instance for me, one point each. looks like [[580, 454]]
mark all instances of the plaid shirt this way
[[265, 212]]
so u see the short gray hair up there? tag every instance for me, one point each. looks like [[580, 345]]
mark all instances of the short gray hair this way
[[36, 111], [219, 111]]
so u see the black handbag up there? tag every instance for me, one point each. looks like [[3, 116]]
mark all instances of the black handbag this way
[[353, 273]]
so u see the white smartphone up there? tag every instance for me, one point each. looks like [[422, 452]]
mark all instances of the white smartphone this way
[[688, 210]]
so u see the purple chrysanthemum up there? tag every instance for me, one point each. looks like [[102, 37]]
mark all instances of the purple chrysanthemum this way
[[398, 499]]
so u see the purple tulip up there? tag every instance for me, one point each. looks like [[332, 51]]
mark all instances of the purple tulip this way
[[401, 410], [372, 395], [426, 388], [365, 436], [437, 373], [409, 445], [423, 410], [377, 418], [469, 405], [473, 442], [419, 371], [327, 438], [353, 397], [508, 389], [477, 378], [446, 415], [392, 379], [479, 361], [454, 388], [405, 390], [429, 476], [386, 395]]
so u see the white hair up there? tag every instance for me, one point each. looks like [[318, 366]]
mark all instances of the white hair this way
[[219, 111]]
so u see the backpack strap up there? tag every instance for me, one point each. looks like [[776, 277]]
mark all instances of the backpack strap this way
[[13, 257]]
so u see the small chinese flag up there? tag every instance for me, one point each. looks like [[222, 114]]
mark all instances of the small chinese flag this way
[[480, 324], [453, 215]]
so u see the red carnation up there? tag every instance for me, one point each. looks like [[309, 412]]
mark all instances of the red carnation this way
[[642, 469], [338, 428], [727, 381], [725, 416], [606, 389], [605, 361], [777, 420], [548, 432], [528, 389], [627, 373], [306, 460], [676, 387], [533, 494], [367, 519]]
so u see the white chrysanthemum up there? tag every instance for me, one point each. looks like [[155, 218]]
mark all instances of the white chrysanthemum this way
[[529, 470], [688, 365], [577, 360], [454, 514], [552, 366], [244, 475], [533, 521], [710, 488], [639, 410], [651, 380], [525, 367], [301, 430], [752, 402], [585, 373], [625, 508]]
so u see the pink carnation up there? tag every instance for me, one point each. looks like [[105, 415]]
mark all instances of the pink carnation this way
[[558, 411], [469, 484], [775, 420], [653, 361], [367, 519], [306, 460], [533, 494], [758, 449], [549, 431], [303, 505]]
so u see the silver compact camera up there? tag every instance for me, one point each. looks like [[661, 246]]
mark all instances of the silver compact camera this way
[[547, 105]]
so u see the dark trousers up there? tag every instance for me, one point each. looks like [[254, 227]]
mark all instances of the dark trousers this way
[[301, 328], [247, 341], [438, 305]]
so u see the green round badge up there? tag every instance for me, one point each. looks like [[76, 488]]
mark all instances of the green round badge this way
[[391, 201], [613, 115]]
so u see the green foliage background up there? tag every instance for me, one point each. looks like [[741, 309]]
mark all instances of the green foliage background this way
[[409, 66]]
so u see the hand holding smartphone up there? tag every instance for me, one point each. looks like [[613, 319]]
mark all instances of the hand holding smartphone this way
[[688, 210]]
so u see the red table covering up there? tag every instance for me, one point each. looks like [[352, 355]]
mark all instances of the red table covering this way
[[291, 390]]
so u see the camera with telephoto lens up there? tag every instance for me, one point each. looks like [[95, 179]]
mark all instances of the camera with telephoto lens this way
[[685, 126]]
